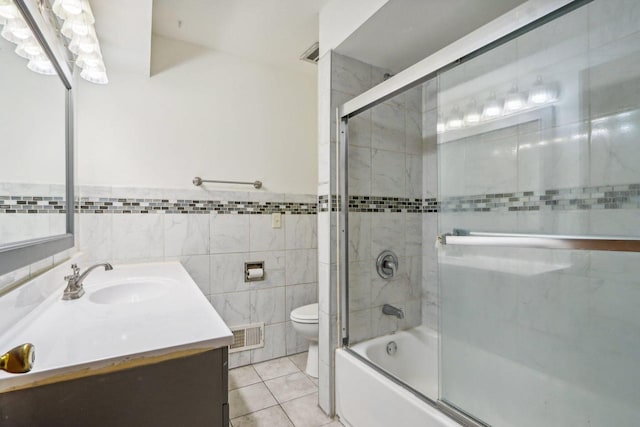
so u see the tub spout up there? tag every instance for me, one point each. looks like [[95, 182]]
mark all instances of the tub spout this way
[[392, 311]]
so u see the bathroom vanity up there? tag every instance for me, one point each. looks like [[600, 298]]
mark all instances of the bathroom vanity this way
[[142, 347]]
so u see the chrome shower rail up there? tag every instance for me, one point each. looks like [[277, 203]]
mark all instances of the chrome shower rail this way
[[197, 181], [542, 241]]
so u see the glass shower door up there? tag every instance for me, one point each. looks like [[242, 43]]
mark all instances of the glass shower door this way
[[541, 135]]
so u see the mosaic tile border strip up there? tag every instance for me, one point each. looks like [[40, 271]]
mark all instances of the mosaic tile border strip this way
[[111, 205], [32, 205], [578, 198], [377, 204]]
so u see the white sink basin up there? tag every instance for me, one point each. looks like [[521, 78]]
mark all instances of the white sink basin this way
[[129, 292]]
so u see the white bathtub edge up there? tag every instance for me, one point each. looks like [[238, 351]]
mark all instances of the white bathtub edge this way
[[365, 398]]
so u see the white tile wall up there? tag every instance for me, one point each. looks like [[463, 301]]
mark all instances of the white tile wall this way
[[213, 248]]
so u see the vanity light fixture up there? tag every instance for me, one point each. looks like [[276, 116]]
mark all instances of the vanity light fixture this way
[[16, 30], [79, 28], [514, 100]]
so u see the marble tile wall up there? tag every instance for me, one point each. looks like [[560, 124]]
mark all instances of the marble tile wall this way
[[386, 160], [339, 79], [213, 247]]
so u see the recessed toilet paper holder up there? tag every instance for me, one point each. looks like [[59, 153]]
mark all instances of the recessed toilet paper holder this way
[[254, 271]]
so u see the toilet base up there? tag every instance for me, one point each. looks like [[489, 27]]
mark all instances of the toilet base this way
[[312, 360]]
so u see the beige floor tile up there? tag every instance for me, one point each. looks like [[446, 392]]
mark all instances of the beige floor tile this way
[[305, 412], [300, 360], [332, 424], [270, 417], [242, 377], [275, 368], [291, 387], [249, 399]]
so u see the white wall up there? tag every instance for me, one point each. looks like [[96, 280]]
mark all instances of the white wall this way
[[203, 113]]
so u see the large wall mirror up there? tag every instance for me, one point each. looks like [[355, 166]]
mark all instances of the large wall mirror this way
[[36, 171]]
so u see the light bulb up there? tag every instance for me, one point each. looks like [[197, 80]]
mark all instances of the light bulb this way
[[94, 75], [29, 49], [16, 31], [9, 10], [514, 100], [92, 63], [83, 44], [455, 119], [66, 8], [42, 65], [541, 93], [76, 26], [472, 114], [492, 108], [91, 59]]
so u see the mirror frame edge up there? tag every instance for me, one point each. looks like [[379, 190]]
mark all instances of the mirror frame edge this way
[[16, 255]]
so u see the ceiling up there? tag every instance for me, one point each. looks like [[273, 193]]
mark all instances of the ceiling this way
[[123, 27], [272, 31], [404, 32]]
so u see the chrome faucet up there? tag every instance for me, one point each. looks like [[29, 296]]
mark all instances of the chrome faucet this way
[[74, 289], [393, 311]]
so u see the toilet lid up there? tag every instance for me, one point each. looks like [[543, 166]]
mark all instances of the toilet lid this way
[[305, 314]]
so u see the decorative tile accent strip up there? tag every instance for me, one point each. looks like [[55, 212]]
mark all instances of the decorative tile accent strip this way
[[32, 205], [430, 205], [384, 204], [323, 203], [579, 198], [145, 206]]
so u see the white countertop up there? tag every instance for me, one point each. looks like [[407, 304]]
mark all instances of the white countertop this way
[[82, 335]]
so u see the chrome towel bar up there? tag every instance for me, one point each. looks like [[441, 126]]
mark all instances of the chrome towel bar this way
[[197, 181], [542, 241]]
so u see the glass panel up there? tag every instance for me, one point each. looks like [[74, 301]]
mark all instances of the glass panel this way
[[540, 135], [32, 141], [391, 169]]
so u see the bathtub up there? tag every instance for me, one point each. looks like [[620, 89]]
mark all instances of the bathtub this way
[[366, 398]]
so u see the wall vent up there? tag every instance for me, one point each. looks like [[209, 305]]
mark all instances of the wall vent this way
[[312, 54], [247, 337]]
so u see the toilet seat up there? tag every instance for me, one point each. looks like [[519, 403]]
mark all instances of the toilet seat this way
[[305, 314]]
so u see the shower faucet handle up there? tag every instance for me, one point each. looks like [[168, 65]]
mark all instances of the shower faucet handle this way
[[387, 264]]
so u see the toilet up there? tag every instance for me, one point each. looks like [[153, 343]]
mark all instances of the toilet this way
[[305, 323]]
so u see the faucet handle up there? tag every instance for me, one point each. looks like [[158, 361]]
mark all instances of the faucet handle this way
[[76, 272]]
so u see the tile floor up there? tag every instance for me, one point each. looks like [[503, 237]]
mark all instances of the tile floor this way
[[276, 393]]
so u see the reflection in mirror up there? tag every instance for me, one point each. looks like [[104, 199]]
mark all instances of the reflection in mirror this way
[[32, 136]]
